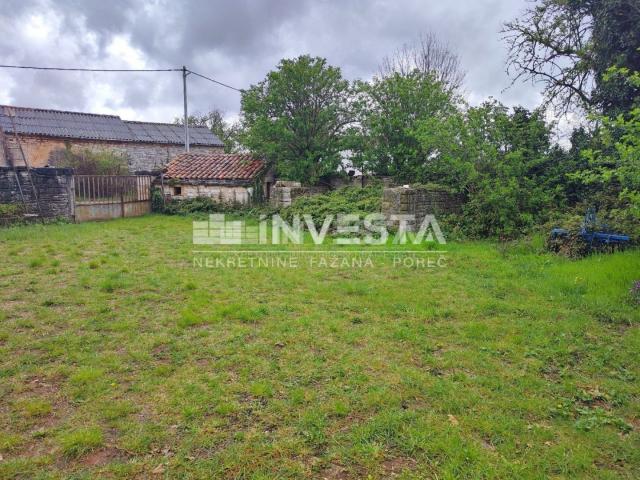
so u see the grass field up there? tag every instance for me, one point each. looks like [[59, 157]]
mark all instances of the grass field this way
[[120, 359]]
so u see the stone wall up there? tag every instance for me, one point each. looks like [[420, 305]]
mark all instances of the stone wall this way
[[53, 187], [419, 201], [43, 151], [220, 193], [284, 193], [339, 181]]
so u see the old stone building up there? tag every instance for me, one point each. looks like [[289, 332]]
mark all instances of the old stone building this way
[[226, 178], [44, 134]]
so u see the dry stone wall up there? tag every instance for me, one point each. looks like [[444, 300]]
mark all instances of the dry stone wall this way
[[418, 202], [53, 189]]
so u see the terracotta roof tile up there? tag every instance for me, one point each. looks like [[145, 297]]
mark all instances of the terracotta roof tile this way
[[214, 166]]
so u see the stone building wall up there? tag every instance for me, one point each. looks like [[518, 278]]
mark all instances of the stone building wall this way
[[53, 187], [143, 157], [220, 193], [419, 201]]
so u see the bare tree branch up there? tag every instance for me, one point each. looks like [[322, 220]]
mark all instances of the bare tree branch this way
[[427, 55], [551, 44]]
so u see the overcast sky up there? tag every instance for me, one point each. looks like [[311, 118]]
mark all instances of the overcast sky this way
[[235, 41]]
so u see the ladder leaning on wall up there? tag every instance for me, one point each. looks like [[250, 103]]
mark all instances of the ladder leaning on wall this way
[[9, 161]]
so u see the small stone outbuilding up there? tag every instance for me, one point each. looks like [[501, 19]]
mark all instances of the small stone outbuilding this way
[[234, 178]]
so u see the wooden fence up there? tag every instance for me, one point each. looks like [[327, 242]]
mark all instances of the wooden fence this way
[[102, 197]]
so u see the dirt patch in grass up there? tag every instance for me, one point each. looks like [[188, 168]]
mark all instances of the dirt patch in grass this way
[[43, 386], [392, 467], [335, 472], [103, 456]]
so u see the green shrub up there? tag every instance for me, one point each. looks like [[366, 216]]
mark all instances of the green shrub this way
[[621, 220], [11, 209], [351, 200], [89, 162], [198, 205], [157, 200]]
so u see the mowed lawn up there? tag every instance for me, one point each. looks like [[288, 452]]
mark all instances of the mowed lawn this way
[[120, 359]]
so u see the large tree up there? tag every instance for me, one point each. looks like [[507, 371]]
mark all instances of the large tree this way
[[616, 44], [298, 117], [612, 173], [427, 55], [568, 45], [392, 111], [511, 172]]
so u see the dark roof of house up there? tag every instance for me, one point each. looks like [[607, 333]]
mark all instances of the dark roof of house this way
[[171, 133], [91, 126], [214, 166]]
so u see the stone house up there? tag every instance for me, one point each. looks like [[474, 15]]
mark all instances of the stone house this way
[[44, 134], [227, 178]]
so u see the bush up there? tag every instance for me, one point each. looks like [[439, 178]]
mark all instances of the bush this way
[[89, 162], [351, 200], [621, 220], [505, 208], [198, 205], [14, 214], [9, 210], [157, 200]]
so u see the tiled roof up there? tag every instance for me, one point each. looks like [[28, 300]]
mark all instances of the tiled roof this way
[[91, 126], [54, 123], [214, 166], [171, 133]]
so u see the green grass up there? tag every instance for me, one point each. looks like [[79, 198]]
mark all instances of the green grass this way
[[34, 407], [118, 356], [80, 442]]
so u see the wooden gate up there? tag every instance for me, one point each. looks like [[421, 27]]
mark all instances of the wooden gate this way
[[102, 197]]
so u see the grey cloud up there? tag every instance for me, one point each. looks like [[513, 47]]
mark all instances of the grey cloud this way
[[51, 91], [239, 41]]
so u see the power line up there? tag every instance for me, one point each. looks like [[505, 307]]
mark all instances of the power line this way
[[64, 69], [216, 81], [184, 71], [25, 67]]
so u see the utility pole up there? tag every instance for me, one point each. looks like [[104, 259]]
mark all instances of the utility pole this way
[[185, 72]]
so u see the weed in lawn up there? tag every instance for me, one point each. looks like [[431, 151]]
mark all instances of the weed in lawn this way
[[81, 441], [188, 318], [10, 442], [312, 427], [36, 262], [34, 407], [262, 390], [115, 410], [225, 408]]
